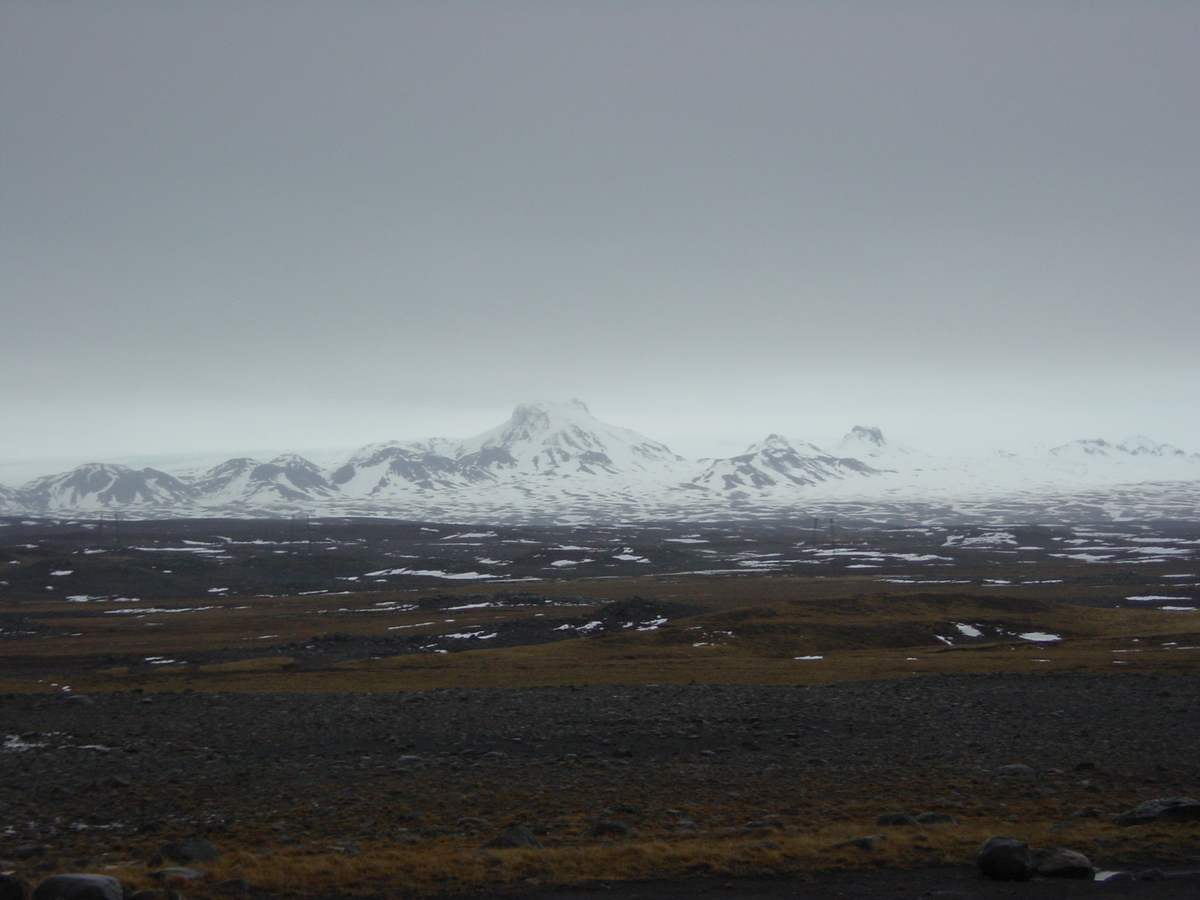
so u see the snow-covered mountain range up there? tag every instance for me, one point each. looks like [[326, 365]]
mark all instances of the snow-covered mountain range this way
[[555, 462]]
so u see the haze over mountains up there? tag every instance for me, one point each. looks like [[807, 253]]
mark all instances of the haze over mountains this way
[[555, 462]]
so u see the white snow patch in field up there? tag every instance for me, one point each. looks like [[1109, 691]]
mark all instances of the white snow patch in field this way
[[433, 573], [142, 611], [1039, 637], [1146, 597], [968, 630], [809, 657]]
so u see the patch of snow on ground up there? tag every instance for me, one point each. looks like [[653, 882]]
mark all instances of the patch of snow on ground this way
[[1039, 637], [968, 630]]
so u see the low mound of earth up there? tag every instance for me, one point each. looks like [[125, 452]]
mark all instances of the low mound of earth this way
[[715, 781]]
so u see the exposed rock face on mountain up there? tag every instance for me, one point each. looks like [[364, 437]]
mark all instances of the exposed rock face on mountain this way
[[287, 477], [10, 498], [1136, 446], [777, 462], [100, 485]]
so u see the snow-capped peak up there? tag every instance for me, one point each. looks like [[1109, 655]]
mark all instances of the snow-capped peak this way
[[779, 443], [1140, 445], [560, 437], [863, 442]]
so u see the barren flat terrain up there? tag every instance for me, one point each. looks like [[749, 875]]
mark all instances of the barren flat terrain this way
[[695, 719]]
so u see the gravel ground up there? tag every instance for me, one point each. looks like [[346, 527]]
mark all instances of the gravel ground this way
[[78, 773]]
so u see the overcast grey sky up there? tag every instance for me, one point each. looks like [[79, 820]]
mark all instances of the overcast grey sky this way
[[233, 225]]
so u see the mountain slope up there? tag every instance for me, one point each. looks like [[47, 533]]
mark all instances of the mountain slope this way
[[102, 485], [288, 478], [777, 462], [869, 443], [550, 438], [556, 463]]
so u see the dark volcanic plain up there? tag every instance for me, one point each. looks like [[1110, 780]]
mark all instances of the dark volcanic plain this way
[[754, 780]]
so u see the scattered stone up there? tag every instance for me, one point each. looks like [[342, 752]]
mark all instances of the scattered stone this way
[[192, 850], [1020, 771], [472, 822], [1054, 862], [1005, 859], [14, 888], [936, 818], [78, 887], [29, 851], [80, 700], [1087, 812], [1174, 809], [1152, 875], [862, 843], [894, 820], [517, 836], [177, 873], [609, 828]]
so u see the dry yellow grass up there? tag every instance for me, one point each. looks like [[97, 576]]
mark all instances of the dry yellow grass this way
[[856, 638], [462, 866]]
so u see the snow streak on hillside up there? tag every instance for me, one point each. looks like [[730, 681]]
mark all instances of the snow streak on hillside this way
[[556, 463]]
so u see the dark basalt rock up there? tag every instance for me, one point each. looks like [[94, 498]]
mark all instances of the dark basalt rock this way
[[14, 888], [1173, 809], [609, 828], [1054, 862], [1005, 859], [936, 818], [78, 887], [893, 820], [862, 843], [192, 850]]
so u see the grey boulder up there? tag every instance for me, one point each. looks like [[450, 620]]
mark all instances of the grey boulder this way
[[191, 850], [1005, 859], [1054, 862], [1172, 809], [892, 820], [936, 818], [78, 887], [13, 888]]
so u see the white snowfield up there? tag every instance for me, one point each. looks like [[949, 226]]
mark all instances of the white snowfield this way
[[554, 463]]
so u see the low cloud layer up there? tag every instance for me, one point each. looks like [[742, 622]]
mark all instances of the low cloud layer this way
[[313, 226]]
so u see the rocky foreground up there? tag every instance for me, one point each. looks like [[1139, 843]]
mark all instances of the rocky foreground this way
[[87, 781]]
